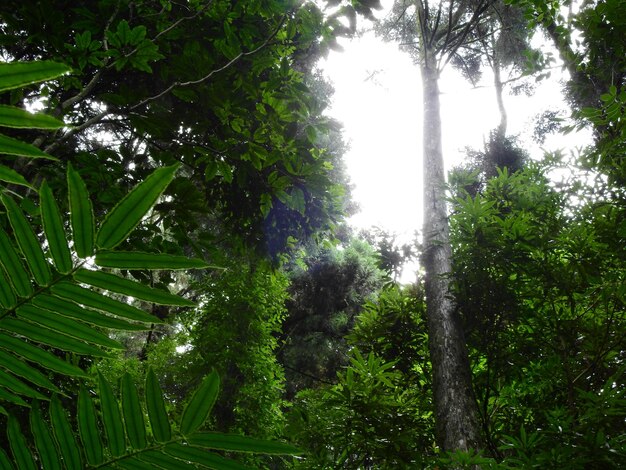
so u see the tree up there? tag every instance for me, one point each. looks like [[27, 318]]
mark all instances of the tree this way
[[434, 34]]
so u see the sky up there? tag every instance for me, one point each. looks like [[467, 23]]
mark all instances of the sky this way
[[378, 100]]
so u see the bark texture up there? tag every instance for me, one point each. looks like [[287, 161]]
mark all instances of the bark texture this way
[[456, 417]]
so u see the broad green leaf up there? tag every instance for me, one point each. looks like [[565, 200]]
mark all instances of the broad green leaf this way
[[39, 356], [53, 228], [66, 325], [19, 387], [125, 216], [19, 74], [88, 428], [133, 463], [81, 214], [208, 459], [50, 337], [21, 452], [200, 405], [6, 396], [5, 463], [159, 421], [72, 310], [10, 116], [9, 175], [13, 266], [64, 435], [138, 260], [11, 146], [111, 418], [7, 296], [21, 369], [165, 461], [237, 443], [43, 440], [92, 299], [28, 242], [133, 413], [130, 288]]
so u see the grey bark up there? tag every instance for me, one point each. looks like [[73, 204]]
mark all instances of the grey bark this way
[[456, 414]]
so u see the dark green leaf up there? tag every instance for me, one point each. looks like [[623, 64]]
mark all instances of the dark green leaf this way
[[81, 214], [138, 260], [159, 421], [21, 453], [133, 413], [11, 116], [28, 242], [165, 461], [5, 463], [239, 443], [10, 382], [134, 463], [111, 418], [64, 435], [92, 299], [21, 369], [39, 356], [19, 74], [125, 216], [43, 440], [200, 405], [53, 228], [10, 146], [11, 176], [72, 310], [13, 266], [88, 428], [66, 325], [7, 296], [202, 457], [130, 288], [7, 396], [52, 338]]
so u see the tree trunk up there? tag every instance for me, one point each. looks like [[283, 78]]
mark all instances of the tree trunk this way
[[456, 414]]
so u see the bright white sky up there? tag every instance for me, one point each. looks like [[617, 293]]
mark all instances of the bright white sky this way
[[382, 122]]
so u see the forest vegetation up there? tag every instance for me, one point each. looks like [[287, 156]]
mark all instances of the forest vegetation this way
[[179, 287]]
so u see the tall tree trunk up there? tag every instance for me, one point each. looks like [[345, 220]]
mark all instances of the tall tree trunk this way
[[456, 414]]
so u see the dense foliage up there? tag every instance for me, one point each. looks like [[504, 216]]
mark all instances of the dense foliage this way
[[169, 280]]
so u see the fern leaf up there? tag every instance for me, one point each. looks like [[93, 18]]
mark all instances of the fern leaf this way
[[111, 418], [43, 440], [81, 214], [88, 428], [64, 435], [200, 405], [159, 421], [53, 229], [22, 456], [133, 413]]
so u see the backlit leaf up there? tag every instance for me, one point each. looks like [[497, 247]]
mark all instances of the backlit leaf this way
[[201, 404], [13, 266], [19, 74], [111, 418], [21, 453], [11, 116], [81, 214], [9, 175], [159, 421], [208, 459], [43, 440], [88, 428], [21, 369], [64, 435], [133, 413], [11, 146], [235, 442], [125, 216], [53, 228], [138, 260], [17, 386]]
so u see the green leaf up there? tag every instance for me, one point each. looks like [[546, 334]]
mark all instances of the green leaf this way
[[39, 356], [6, 396], [72, 310], [64, 435], [134, 463], [165, 461], [43, 440], [138, 260], [7, 296], [52, 338], [133, 413], [111, 418], [13, 266], [159, 421], [130, 288], [53, 228], [237, 443], [9, 175], [5, 463], [125, 216], [19, 387], [21, 453], [200, 405], [19, 74], [81, 214], [10, 146], [21, 369], [11, 116], [67, 326], [207, 459], [28, 242], [86, 297], [88, 428]]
